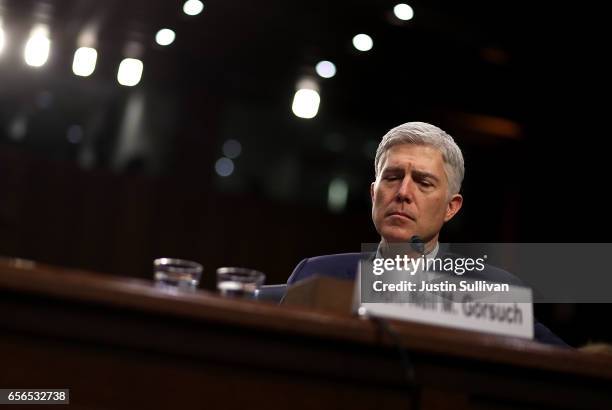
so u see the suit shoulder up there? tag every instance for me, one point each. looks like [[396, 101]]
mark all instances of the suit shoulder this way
[[341, 266], [337, 258]]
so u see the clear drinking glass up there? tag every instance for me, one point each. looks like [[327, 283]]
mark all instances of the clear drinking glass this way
[[177, 274], [239, 282]]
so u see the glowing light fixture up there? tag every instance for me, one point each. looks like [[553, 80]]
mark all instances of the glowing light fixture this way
[[130, 72], [232, 148], [306, 99], [193, 7], [326, 69], [84, 62], [363, 42], [37, 48], [165, 37], [403, 11], [224, 167]]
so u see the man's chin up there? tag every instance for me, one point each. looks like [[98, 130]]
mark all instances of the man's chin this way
[[397, 237]]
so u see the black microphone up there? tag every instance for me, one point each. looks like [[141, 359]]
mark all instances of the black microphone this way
[[417, 245]]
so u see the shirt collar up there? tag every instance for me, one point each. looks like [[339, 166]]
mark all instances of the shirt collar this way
[[429, 255]]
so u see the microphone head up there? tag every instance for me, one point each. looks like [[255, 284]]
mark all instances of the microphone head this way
[[416, 243]]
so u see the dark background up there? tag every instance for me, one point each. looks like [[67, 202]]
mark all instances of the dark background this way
[[521, 86]]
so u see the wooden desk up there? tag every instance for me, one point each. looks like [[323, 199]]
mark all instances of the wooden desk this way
[[119, 343]]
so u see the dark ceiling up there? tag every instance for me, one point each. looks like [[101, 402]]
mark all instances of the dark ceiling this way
[[473, 57], [478, 57]]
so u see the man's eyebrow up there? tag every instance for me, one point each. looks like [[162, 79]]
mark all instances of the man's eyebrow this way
[[393, 169], [416, 172], [425, 174]]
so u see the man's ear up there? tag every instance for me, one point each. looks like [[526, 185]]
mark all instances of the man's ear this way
[[372, 192], [454, 205]]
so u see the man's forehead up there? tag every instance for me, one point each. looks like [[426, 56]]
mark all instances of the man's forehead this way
[[420, 156]]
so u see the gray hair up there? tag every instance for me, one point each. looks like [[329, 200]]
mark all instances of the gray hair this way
[[422, 133]]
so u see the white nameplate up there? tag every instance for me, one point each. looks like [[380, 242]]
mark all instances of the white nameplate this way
[[463, 310]]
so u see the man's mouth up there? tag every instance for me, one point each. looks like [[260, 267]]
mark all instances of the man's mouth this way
[[401, 214]]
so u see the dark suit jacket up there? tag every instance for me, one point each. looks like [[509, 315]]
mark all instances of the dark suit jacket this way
[[344, 266]]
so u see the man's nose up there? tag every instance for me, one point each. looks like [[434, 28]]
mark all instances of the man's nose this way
[[405, 191]]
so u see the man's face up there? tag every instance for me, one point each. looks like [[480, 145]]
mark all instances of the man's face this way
[[410, 195]]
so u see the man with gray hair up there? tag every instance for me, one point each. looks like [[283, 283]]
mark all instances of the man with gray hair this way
[[419, 170]]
